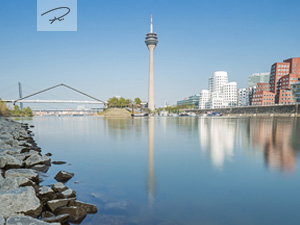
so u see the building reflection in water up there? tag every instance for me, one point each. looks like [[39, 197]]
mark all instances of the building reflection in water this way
[[151, 178], [273, 137], [217, 137]]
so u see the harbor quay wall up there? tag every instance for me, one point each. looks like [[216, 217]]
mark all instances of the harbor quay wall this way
[[272, 110]]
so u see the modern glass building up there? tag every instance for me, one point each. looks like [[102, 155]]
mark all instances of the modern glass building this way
[[258, 78], [190, 101], [296, 91]]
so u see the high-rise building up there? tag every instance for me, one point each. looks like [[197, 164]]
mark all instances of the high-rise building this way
[[245, 96], [283, 74], [151, 42], [211, 84], [220, 93], [258, 78], [204, 99], [251, 92], [242, 97], [215, 84], [285, 97], [216, 100], [263, 98], [296, 91], [219, 79], [229, 91], [263, 95]]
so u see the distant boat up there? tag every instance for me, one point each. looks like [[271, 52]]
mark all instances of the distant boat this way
[[215, 114], [192, 114], [140, 115], [77, 115], [164, 113], [183, 114]]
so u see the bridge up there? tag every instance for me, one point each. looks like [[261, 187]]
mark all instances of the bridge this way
[[23, 99]]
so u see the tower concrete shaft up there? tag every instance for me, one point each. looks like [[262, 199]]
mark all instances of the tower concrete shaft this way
[[151, 105], [151, 42]]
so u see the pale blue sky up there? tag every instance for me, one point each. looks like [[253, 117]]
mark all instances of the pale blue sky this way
[[107, 56]]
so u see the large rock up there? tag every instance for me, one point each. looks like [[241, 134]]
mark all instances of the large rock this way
[[46, 194], [28, 153], [12, 152], [59, 187], [2, 221], [60, 219], [41, 168], [63, 176], [69, 193], [28, 173], [21, 157], [36, 159], [11, 183], [77, 214], [46, 214], [26, 220], [8, 161], [20, 200], [54, 204], [88, 207]]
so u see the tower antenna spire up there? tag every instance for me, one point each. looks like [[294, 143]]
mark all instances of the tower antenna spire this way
[[151, 26]]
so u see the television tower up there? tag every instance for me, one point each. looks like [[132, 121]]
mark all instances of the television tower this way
[[151, 42]]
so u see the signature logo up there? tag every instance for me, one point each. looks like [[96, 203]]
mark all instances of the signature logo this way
[[61, 18]]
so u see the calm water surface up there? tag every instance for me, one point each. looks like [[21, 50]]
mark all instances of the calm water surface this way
[[179, 170]]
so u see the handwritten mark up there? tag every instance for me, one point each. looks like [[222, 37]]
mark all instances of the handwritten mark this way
[[57, 18]]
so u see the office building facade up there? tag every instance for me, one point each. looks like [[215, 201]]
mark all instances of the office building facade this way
[[258, 78], [296, 92], [229, 92], [204, 99]]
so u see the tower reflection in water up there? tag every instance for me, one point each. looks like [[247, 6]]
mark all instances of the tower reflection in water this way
[[151, 178]]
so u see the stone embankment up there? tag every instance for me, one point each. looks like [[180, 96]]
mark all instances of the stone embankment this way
[[22, 199]]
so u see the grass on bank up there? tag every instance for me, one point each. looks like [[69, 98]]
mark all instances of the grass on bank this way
[[115, 112]]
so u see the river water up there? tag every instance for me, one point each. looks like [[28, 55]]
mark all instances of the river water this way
[[179, 171]]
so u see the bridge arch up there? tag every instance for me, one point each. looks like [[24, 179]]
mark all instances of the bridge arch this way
[[54, 101]]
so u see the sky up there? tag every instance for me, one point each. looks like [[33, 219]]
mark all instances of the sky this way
[[107, 55]]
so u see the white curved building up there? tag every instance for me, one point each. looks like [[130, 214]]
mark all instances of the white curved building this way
[[220, 78]]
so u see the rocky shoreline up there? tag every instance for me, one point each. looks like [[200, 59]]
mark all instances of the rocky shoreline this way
[[22, 199]]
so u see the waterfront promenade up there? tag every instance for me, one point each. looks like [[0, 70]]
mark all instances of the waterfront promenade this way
[[272, 110]]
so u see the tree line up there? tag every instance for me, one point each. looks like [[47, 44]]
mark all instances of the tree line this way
[[122, 102], [17, 112], [176, 108]]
